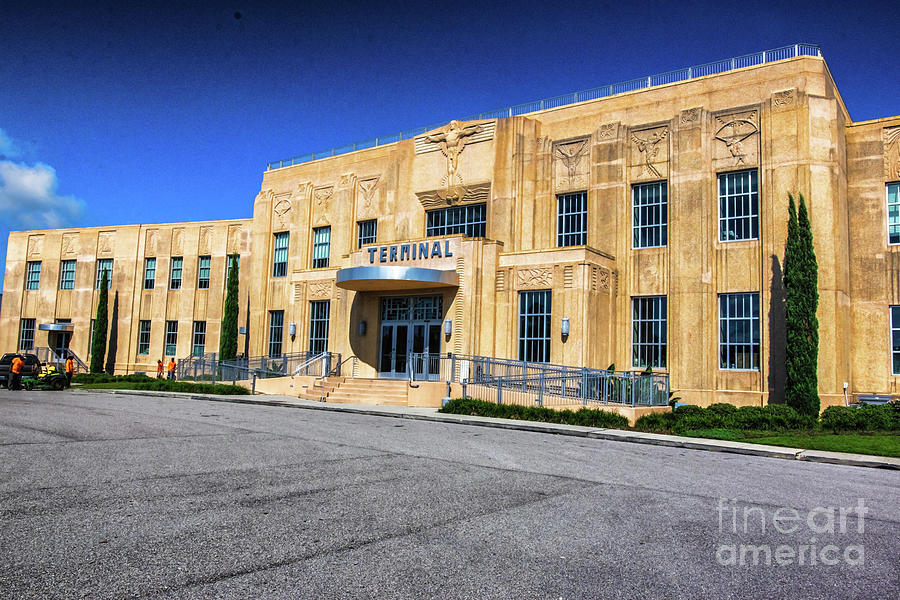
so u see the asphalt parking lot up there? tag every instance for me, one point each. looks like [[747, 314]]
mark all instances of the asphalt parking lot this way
[[117, 496]]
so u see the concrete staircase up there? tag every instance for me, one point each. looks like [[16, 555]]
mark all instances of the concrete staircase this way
[[358, 390]]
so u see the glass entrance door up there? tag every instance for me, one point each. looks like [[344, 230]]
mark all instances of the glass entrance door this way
[[410, 329]]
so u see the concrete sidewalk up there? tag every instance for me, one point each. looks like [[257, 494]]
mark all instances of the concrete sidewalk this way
[[617, 435]]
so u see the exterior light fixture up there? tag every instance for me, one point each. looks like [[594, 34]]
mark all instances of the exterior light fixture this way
[[564, 327], [362, 328], [292, 331], [448, 327]]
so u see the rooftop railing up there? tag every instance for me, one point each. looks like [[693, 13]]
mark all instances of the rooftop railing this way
[[711, 68]]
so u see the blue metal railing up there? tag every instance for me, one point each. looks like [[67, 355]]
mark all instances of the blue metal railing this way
[[711, 68]]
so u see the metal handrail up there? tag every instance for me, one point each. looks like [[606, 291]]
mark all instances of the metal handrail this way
[[302, 366], [710, 68]]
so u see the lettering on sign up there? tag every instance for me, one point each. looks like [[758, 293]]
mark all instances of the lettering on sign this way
[[411, 251]]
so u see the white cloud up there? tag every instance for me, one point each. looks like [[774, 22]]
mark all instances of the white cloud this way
[[28, 197], [8, 148]]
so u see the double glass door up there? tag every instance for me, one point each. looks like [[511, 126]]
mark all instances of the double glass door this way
[[410, 336]]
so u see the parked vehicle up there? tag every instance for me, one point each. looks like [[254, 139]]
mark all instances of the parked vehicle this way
[[31, 369]]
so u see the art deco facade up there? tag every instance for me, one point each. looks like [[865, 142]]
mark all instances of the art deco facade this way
[[652, 222]]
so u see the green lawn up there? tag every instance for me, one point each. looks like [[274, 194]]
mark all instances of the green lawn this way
[[880, 444]]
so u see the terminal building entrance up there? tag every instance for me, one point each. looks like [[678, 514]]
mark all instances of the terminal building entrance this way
[[410, 329]]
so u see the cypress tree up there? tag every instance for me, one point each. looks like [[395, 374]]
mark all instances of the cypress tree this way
[[228, 336], [801, 325], [98, 342]]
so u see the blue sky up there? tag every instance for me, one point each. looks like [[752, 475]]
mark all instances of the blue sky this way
[[112, 114]]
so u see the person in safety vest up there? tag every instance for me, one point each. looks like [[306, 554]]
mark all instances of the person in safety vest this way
[[159, 369], [172, 368], [70, 370], [15, 372]]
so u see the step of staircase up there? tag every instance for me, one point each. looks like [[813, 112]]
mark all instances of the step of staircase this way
[[361, 391]]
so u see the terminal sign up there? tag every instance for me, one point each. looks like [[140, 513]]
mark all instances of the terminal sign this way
[[412, 251]]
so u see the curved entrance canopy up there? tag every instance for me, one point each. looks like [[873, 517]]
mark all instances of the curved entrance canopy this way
[[378, 278]]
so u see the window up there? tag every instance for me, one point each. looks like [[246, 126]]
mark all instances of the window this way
[[893, 208], [534, 326], [104, 265], [67, 275], [895, 340], [171, 337], [276, 329], [199, 346], [650, 208], [149, 273], [175, 274], [738, 206], [468, 220], [648, 332], [739, 331], [280, 254], [231, 260], [144, 337], [318, 325], [26, 335], [203, 273], [571, 219], [366, 232], [321, 246], [33, 275]]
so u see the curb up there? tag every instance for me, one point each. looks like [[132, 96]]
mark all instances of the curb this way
[[615, 435]]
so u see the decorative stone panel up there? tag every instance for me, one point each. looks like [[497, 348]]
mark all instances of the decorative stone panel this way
[[367, 197], [320, 289], [281, 210], [106, 242], [784, 99], [151, 237], [736, 140], [233, 245], [891, 153], [178, 241], [70, 244], [689, 117], [649, 156], [571, 165], [35, 245], [205, 240], [534, 278]]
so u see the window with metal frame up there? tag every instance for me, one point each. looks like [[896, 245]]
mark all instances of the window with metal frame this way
[[175, 273], [67, 275], [893, 212], [149, 273], [738, 206], [280, 254], [33, 275], [571, 219], [203, 268], [318, 325], [648, 332], [650, 208], [199, 340], [739, 341], [366, 232], [26, 335], [104, 265], [469, 219], [534, 325], [276, 332], [143, 337], [321, 247], [171, 338], [895, 340]]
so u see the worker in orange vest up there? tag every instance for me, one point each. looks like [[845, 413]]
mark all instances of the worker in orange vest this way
[[172, 368], [15, 372], [159, 369], [70, 370]]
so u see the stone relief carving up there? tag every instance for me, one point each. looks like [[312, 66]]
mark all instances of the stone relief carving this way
[[205, 239], [892, 152], [568, 276], [604, 278], [322, 196], [105, 242], [534, 277], [451, 140], [346, 180], [150, 242], [468, 194], [734, 132], [234, 239], [320, 289], [784, 98], [651, 150], [35, 245], [571, 171], [608, 131], [500, 282], [281, 208], [689, 117], [69, 244], [178, 241], [366, 205]]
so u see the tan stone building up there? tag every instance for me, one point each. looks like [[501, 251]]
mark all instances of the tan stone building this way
[[651, 223]]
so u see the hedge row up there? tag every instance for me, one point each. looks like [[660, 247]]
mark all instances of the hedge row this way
[[588, 417], [164, 385], [106, 378], [870, 417]]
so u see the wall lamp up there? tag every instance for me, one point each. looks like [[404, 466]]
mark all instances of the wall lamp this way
[[448, 328], [564, 327], [292, 331]]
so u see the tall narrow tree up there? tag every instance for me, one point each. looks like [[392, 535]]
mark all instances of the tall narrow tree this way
[[801, 280], [228, 337], [98, 342]]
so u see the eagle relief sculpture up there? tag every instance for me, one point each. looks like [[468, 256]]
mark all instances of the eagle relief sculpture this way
[[452, 141]]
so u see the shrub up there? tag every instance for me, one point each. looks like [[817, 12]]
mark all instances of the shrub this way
[[872, 417], [661, 422], [588, 417]]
